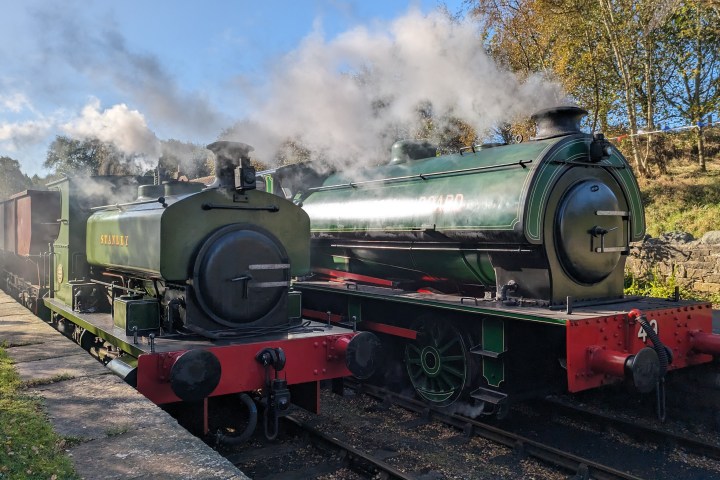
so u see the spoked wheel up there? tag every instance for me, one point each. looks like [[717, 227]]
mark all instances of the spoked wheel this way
[[438, 362]]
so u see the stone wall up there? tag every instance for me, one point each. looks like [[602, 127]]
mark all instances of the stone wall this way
[[695, 264]]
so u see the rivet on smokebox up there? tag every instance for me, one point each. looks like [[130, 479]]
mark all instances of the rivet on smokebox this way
[[315, 372]]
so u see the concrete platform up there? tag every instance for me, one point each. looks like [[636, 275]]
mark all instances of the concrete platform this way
[[117, 433]]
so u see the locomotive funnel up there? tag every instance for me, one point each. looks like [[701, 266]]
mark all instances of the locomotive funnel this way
[[229, 155], [558, 121]]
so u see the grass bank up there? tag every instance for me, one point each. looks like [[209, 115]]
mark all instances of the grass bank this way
[[29, 448], [683, 200]]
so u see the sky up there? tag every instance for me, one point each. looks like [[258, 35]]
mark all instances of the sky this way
[[135, 72]]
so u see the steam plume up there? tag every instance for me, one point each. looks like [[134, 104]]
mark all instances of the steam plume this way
[[119, 125], [349, 98]]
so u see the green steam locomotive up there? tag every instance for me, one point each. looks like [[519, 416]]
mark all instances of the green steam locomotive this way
[[497, 272], [183, 289]]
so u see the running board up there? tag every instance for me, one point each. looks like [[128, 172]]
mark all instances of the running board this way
[[485, 353], [489, 396]]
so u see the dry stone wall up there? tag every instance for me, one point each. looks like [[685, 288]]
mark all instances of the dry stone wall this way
[[695, 264]]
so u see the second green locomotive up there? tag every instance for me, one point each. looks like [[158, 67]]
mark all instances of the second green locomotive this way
[[498, 271]]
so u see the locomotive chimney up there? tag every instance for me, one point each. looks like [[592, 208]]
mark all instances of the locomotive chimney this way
[[558, 121], [229, 155]]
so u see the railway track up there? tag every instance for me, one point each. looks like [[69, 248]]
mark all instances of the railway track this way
[[370, 432], [356, 437], [641, 431], [580, 467], [323, 455]]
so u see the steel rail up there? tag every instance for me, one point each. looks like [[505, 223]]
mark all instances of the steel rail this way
[[354, 455], [583, 467], [657, 435]]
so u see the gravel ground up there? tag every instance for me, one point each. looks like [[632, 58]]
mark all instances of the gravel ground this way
[[693, 403], [434, 451], [607, 445], [431, 451], [427, 450]]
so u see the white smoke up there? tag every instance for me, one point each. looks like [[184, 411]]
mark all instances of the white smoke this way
[[16, 135], [467, 409], [349, 98], [124, 128]]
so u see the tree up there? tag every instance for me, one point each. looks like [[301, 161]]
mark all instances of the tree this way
[[515, 34], [631, 29], [693, 40], [607, 54], [184, 159], [70, 156], [581, 59], [12, 179]]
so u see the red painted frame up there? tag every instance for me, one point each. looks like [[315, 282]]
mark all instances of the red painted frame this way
[[365, 324], [341, 275], [308, 359], [620, 333]]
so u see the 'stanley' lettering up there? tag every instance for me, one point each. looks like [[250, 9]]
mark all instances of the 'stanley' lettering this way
[[115, 240]]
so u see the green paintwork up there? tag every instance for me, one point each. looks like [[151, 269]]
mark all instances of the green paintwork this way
[[354, 310], [78, 194], [417, 195], [113, 338], [468, 266], [294, 304], [422, 300], [493, 340], [445, 217], [269, 184], [69, 241], [162, 242], [136, 315], [480, 200], [493, 335], [557, 162], [437, 363]]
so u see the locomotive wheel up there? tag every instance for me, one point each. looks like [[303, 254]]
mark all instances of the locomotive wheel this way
[[438, 362]]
